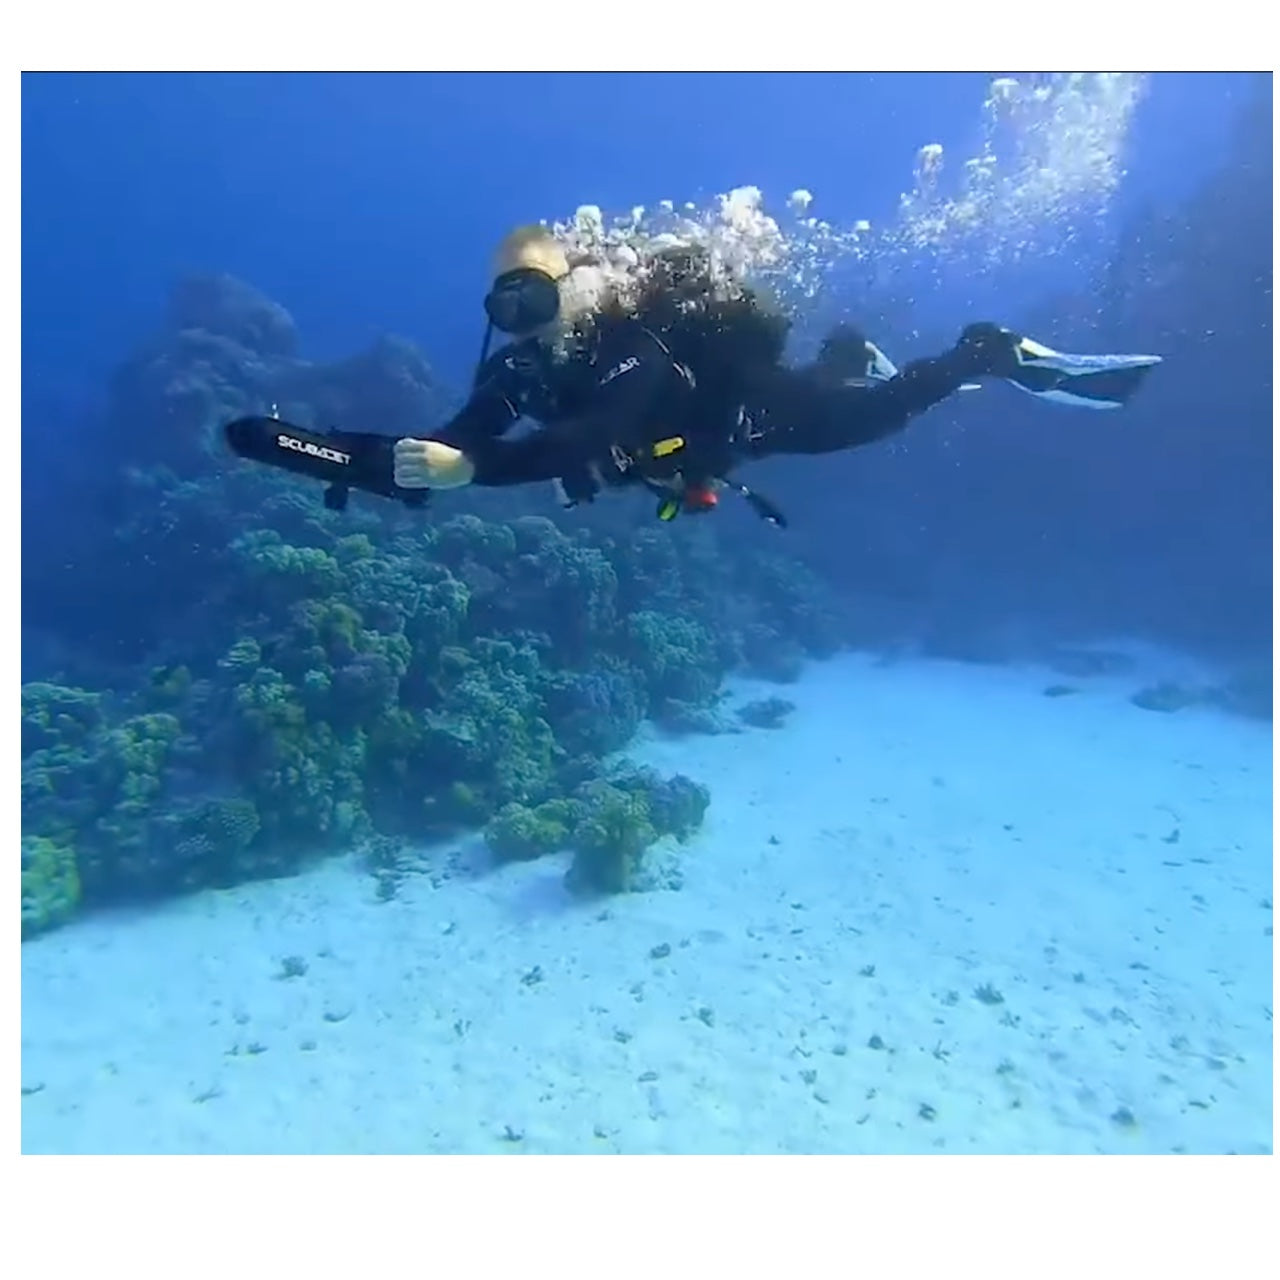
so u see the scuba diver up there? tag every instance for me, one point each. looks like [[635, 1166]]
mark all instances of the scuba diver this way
[[670, 389]]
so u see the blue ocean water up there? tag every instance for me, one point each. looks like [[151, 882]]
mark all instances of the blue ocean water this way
[[940, 820]]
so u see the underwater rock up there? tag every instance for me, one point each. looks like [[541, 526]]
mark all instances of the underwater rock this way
[[977, 649], [1167, 697], [768, 655], [390, 388], [1060, 691], [766, 713], [800, 610], [229, 308], [1089, 662], [682, 718], [1248, 694]]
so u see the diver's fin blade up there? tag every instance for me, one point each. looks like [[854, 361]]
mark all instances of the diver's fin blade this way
[[1083, 381], [1036, 355], [1104, 390]]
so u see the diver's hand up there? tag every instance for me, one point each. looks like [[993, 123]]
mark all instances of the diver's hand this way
[[431, 464], [987, 348], [576, 486]]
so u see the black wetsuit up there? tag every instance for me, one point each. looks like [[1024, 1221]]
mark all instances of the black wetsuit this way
[[625, 385], [603, 410]]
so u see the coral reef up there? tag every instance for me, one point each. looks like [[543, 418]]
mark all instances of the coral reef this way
[[249, 681], [50, 883]]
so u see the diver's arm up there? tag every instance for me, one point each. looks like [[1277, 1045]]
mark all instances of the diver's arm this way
[[635, 374], [493, 463], [541, 455], [508, 386], [481, 419], [485, 416], [447, 459]]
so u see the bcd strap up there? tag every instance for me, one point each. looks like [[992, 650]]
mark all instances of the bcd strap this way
[[670, 505]]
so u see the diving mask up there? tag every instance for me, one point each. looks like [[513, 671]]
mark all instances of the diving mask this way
[[522, 301]]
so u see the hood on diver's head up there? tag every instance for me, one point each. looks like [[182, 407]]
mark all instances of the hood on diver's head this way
[[531, 248]]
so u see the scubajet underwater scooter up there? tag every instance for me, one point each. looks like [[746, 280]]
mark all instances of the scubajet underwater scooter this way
[[346, 460], [342, 460]]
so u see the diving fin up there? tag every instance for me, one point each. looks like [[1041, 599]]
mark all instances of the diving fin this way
[[1087, 382], [768, 511], [1090, 382]]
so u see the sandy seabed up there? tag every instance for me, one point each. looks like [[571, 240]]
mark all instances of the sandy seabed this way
[[937, 911]]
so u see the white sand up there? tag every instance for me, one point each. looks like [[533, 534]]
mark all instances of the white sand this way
[[938, 827]]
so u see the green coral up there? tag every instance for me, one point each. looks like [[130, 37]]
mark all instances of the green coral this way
[[302, 572], [610, 839], [353, 549], [244, 655], [50, 884], [563, 586], [617, 821], [211, 838], [131, 767], [677, 805], [303, 775], [678, 657], [488, 730], [100, 794], [55, 714], [169, 687], [468, 537], [519, 833]]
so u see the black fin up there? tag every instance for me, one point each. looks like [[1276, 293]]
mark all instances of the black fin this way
[[765, 509]]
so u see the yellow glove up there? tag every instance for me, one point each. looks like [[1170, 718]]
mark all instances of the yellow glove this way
[[429, 464]]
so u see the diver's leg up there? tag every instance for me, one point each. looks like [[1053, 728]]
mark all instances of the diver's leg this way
[[800, 411], [809, 411]]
